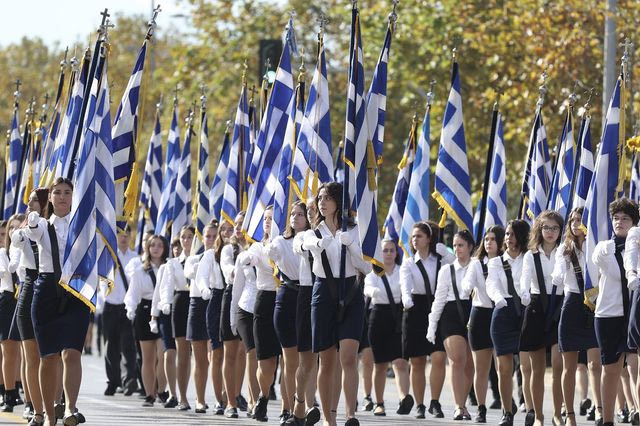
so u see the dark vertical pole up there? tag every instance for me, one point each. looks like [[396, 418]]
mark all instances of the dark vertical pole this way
[[487, 174]]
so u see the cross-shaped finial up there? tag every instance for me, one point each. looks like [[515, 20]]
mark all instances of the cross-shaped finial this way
[[322, 21], [573, 96], [393, 16], [175, 95], [354, 4], [431, 93], [587, 105], [203, 96], [252, 92], [105, 15], [292, 14], [302, 70], [159, 104], [228, 126], [64, 62], [542, 90], [18, 83], [47, 97], [189, 119], [151, 25], [245, 67]]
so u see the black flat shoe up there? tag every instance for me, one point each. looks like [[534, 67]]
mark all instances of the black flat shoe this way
[[585, 404], [163, 396], [70, 420], [184, 406], [242, 403], [110, 390], [405, 406], [530, 418], [507, 419], [379, 410], [352, 422], [284, 416], [294, 421], [458, 414], [171, 402], [312, 416], [260, 410], [79, 416], [495, 405], [231, 413], [367, 403], [435, 409], [420, 409], [59, 411], [200, 409], [481, 417], [37, 420]]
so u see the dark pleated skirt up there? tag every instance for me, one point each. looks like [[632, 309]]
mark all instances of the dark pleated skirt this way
[[180, 313], [415, 322], [225, 318], [385, 337], [479, 328], [264, 333], [141, 329], [450, 323], [165, 326], [505, 329], [303, 318], [23, 307], [213, 318], [197, 319], [7, 311], [575, 330], [284, 315], [535, 334], [245, 329]]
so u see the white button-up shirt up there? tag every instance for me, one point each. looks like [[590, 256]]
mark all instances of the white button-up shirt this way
[[209, 274], [496, 283], [563, 273], [6, 280], [305, 265], [191, 267], [411, 281], [140, 287], [228, 262], [27, 259], [40, 235], [281, 252], [244, 290], [117, 294], [444, 291], [172, 280], [609, 301], [474, 280], [374, 287], [529, 277], [256, 257], [631, 252]]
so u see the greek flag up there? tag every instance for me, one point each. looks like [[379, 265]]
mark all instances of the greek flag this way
[[393, 223], [417, 206], [312, 161], [585, 169], [338, 170], [634, 184], [603, 190], [496, 210], [452, 185], [52, 131], [182, 194], [540, 180], [12, 164], [165, 209], [217, 188], [234, 184], [202, 214], [151, 185], [560, 195], [62, 153], [271, 137], [25, 174]]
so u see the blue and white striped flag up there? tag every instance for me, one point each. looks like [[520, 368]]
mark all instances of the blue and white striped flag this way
[[393, 222], [12, 165], [165, 209], [182, 194], [417, 206], [452, 184], [202, 213], [234, 184], [496, 213], [338, 170], [312, 160], [560, 194], [634, 184], [271, 137], [604, 188], [585, 169], [540, 180], [151, 185], [217, 188]]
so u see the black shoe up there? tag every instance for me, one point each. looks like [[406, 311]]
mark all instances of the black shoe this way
[[59, 411], [284, 416], [530, 418], [312, 416], [171, 403], [507, 419], [28, 412], [241, 403], [148, 401], [379, 409], [200, 409], [78, 415], [591, 413], [110, 390], [472, 398], [635, 419], [623, 416], [163, 396], [231, 413], [183, 406], [436, 409], [352, 422], [458, 414], [496, 405], [294, 421], [585, 404], [260, 410], [420, 409], [70, 420], [481, 417], [405, 406], [10, 397], [218, 410], [272, 393], [130, 388], [367, 403], [37, 420]]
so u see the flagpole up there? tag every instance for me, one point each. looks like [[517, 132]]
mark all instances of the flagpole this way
[[578, 155], [26, 143], [487, 174]]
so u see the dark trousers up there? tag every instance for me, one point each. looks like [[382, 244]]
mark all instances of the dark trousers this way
[[118, 335]]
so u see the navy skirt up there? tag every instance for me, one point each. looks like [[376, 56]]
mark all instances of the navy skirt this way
[[505, 329], [575, 331], [180, 313], [264, 333], [450, 323], [60, 320], [213, 318], [611, 334], [197, 319], [633, 339], [23, 307], [303, 318], [415, 322], [166, 331], [384, 336], [479, 328], [538, 331], [364, 339], [244, 320], [284, 315], [325, 329], [7, 311], [141, 328], [225, 316]]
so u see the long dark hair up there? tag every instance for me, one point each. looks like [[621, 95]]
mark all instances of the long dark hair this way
[[521, 229], [289, 232], [496, 230], [334, 190], [146, 257], [535, 236], [432, 231], [571, 240]]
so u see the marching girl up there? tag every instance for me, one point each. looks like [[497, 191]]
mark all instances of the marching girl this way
[[307, 360], [234, 352], [612, 304], [506, 316], [331, 326], [543, 302], [241, 315], [197, 318], [143, 279], [280, 250], [9, 335], [575, 330], [27, 261], [481, 312], [450, 315], [210, 283], [418, 281], [385, 329], [174, 299], [60, 320]]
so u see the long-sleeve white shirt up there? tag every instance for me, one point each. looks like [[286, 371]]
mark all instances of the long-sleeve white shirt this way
[[40, 235], [117, 294], [496, 283], [228, 262], [411, 281], [304, 266], [26, 260], [191, 267], [444, 291], [563, 273], [354, 262], [374, 287], [156, 308], [172, 280], [631, 253], [474, 280], [281, 252], [16, 262], [529, 277], [208, 274], [609, 301], [256, 257], [140, 287], [6, 280], [244, 290]]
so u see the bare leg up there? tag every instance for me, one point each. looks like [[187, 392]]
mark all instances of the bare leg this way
[[609, 388], [307, 364], [595, 371], [504, 365], [216, 357], [482, 362], [72, 378], [49, 384], [149, 361], [199, 348], [290, 359], [556, 383], [349, 362], [170, 370], [328, 362], [241, 365], [252, 368], [366, 359], [379, 380], [266, 370], [184, 367], [161, 377], [401, 371], [457, 349], [10, 357], [570, 360], [418, 378], [525, 370], [437, 374], [229, 373]]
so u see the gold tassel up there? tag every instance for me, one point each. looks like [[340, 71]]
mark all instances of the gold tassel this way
[[28, 187], [371, 166], [443, 219], [131, 193]]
